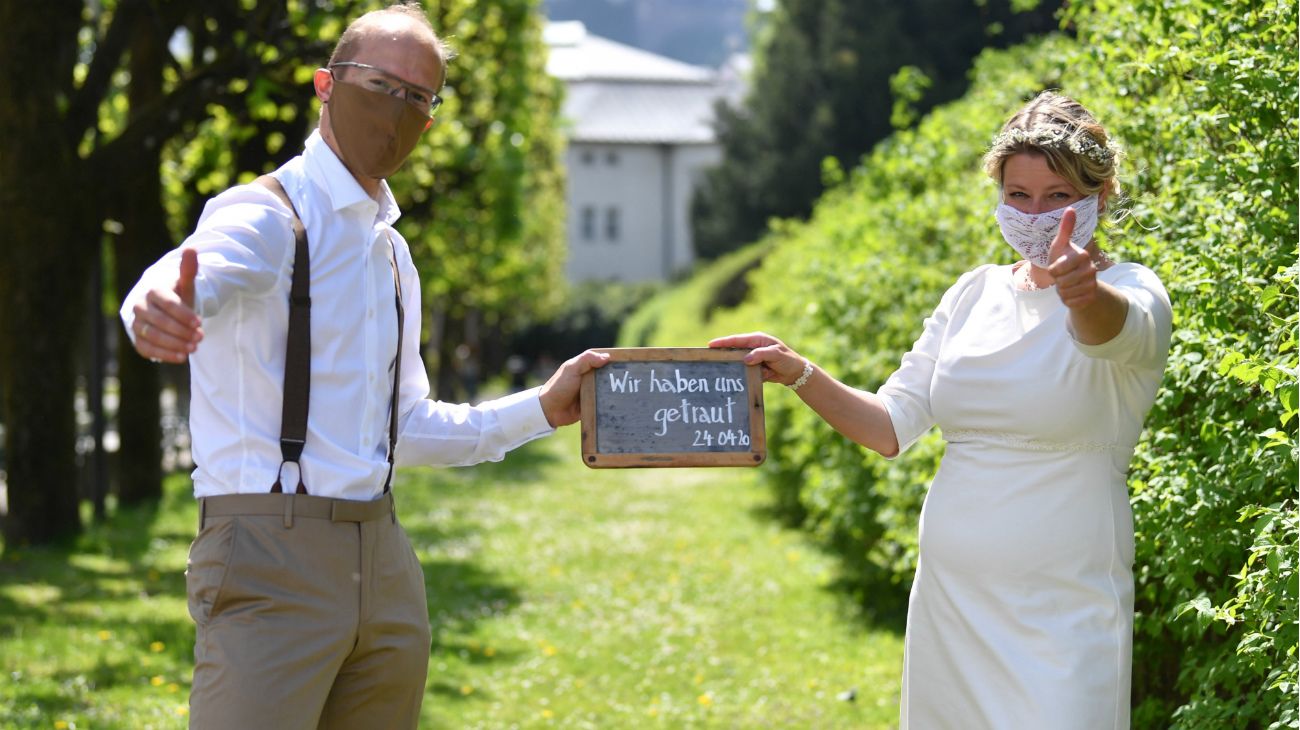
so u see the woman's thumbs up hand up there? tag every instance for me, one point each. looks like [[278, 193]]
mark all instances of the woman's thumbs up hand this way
[[1071, 267]]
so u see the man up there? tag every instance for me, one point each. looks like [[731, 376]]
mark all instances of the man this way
[[308, 600]]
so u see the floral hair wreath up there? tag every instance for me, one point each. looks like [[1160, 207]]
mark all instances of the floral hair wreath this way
[[1079, 144]]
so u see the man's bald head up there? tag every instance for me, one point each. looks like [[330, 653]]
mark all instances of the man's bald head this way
[[403, 19]]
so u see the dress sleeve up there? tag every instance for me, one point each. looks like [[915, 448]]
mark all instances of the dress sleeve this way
[[1143, 341], [435, 433], [906, 394], [243, 240]]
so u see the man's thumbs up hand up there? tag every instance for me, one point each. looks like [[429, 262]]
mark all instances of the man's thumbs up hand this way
[[166, 327], [189, 270], [1071, 267]]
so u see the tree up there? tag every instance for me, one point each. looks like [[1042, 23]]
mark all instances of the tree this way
[[67, 143], [483, 201], [821, 88]]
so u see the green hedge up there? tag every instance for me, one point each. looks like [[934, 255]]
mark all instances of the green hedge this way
[[1203, 95]]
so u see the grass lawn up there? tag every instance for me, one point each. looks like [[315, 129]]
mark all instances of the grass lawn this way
[[559, 597]]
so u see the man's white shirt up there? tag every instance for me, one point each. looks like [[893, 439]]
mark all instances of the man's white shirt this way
[[245, 247]]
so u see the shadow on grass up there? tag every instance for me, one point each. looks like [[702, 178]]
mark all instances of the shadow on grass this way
[[863, 591], [80, 619], [460, 593]]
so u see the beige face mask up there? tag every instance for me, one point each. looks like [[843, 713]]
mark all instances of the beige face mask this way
[[375, 132]]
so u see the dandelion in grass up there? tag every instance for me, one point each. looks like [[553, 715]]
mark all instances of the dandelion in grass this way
[[705, 700], [547, 714], [182, 710], [490, 651], [156, 681], [466, 690], [173, 688], [105, 635], [549, 650], [157, 647], [61, 725]]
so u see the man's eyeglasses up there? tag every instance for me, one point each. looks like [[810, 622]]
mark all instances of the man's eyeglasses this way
[[377, 79]]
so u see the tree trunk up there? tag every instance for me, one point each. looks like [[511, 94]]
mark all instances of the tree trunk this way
[[144, 238], [47, 228]]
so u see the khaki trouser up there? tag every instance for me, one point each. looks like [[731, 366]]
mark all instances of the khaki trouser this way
[[310, 613]]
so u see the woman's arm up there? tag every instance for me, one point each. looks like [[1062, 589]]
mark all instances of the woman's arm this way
[[857, 414], [1097, 309]]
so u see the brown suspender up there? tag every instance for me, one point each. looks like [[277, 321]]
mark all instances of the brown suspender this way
[[297, 358], [297, 361], [397, 368]]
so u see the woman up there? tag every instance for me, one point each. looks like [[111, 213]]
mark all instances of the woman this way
[[1039, 375]]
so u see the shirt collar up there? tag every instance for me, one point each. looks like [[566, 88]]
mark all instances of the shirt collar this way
[[343, 190]]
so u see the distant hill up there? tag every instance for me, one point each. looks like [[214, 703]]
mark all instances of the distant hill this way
[[702, 32]]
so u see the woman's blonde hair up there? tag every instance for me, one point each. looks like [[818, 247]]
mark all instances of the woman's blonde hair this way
[[1060, 129]]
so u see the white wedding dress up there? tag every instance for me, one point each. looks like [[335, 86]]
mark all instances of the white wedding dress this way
[[1021, 613]]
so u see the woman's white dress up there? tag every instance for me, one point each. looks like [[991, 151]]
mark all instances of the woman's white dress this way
[[1021, 613]]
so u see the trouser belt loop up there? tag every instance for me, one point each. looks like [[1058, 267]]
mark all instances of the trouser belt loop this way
[[288, 511], [203, 510], [392, 507]]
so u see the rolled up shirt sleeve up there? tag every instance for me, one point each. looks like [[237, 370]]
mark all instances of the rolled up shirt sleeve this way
[[1143, 340]]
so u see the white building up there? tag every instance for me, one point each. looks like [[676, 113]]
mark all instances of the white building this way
[[640, 133]]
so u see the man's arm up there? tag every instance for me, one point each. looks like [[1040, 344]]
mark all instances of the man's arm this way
[[160, 316], [244, 239]]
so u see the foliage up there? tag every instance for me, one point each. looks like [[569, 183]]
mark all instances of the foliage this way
[[1203, 96], [684, 315], [822, 88], [484, 199], [591, 316]]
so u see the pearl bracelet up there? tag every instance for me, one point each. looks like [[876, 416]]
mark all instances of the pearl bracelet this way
[[807, 373]]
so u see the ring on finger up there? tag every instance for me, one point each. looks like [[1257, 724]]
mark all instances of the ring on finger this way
[[144, 330]]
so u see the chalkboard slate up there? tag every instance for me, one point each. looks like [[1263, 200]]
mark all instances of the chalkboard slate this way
[[678, 406]]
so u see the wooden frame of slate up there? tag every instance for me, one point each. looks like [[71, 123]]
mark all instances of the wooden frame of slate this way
[[673, 406]]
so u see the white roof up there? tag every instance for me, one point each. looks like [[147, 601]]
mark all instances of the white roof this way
[[577, 55], [641, 113], [620, 94]]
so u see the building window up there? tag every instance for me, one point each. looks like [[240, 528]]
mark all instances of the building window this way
[[611, 158], [588, 157], [611, 224], [588, 223]]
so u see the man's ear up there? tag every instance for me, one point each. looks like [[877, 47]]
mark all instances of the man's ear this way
[[323, 80]]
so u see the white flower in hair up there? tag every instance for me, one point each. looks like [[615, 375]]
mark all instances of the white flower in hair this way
[[1081, 143]]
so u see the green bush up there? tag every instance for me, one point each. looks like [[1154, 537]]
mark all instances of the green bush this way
[[592, 315], [687, 314], [1203, 96]]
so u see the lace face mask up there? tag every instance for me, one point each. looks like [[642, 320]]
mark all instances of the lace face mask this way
[[1031, 234]]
